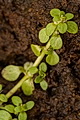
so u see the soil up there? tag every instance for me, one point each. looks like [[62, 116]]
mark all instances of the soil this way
[[20, 22]]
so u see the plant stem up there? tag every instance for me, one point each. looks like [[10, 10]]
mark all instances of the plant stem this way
[[39, 59], [36, 63], [16, 87]]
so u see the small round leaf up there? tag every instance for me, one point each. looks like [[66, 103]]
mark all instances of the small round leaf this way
[[62, 13], [28, 87], [62, 27], [72, 27], [4, 115], [50, 28], [52, 59], [3, 98], [30, 105], [16, 100], [9, 108], [38, 79], [69, 16], [11, 72], [36, 49], [43, 67], [44, 85], [22, 116], [33, 70], [55, 12], [43, 36], [56, 42]]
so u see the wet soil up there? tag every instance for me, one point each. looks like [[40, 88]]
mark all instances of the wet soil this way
[[20, 22]]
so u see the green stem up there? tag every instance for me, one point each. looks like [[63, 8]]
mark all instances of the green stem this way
[[17, 86], [39, 59], [36, 63]]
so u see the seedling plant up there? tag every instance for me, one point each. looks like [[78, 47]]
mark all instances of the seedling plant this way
[[50, 37], [16, 108]]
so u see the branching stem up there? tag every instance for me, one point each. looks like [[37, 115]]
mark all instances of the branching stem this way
[[36, 63]]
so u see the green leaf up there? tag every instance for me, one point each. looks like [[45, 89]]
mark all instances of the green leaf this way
[[56, 18], [9, 108], [30, 105], [16, 100], [36, 49], [28, 87], [55, 12], [4, 115], [27, 65], [43, 67], [62, 13], [44, 85], [38, 79], [72, 27], [69, 16], [3, 98], [43, 36], [33, 70], [0, 87], [22, 116], [56, 42], [50, 28], [11, 72], [62, 27], [52, 59]]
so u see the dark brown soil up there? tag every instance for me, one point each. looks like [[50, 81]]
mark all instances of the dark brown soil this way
[[20, 22]]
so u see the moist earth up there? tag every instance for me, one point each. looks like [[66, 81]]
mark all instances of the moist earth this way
[[20, 22]]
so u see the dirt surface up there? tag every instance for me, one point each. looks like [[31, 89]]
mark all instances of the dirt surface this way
[[20, 22]]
